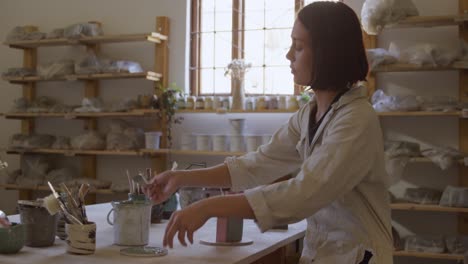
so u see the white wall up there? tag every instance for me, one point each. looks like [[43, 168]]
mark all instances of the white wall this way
[[117, 17], [49, 14]]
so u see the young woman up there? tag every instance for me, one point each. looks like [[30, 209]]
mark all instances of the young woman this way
[[336, 143]]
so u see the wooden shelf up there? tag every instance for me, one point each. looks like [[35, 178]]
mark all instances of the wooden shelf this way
[[27, 44], [401, 67], [429, 21], [133, 113], [75, 152], [421, 113], [206, 153], [140, 152], [46, 188], [427, 208], [401, 253], [461, 65], [78, 77], [420, 160], [224, 111]]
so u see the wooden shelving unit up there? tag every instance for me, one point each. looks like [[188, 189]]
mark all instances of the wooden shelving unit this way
[[401, 253], [430, 21], [46, 188], [459, 20], [420, 114], [206, 153], [401, 67], [427, 208], [141, 152], [78, 77], [223, 111], [91, 89], [133, 113], [30, 44], [74, 152]]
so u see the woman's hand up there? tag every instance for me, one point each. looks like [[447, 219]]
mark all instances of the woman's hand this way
[[185, 222], [4, 222], [162, 186]]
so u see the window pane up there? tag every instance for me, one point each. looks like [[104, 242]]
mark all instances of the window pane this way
[[253, 47], [254, 81], [207, 15], [222, 83], [223, 15], [223, 48], [207, 50], [207, 81], [306, 2], [277, 43], [278, 80], [254, 14], [279, 14]]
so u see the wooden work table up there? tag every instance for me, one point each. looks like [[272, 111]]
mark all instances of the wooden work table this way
[[267, 247]]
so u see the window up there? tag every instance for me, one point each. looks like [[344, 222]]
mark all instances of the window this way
[[257, 31]]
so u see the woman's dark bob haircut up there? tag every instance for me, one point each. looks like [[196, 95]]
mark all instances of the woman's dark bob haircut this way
[[338, 54]]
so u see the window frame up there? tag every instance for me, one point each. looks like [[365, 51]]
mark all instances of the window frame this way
[[237, 39], [238, 23]]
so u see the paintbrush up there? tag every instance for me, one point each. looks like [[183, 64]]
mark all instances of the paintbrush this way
[[82, 192], [130, 182], [50, 204]]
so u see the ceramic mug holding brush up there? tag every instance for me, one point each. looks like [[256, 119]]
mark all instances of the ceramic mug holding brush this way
[[131, 222], [81, 239], [40, 227]]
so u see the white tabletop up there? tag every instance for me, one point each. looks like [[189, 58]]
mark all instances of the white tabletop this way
[[107, 253]]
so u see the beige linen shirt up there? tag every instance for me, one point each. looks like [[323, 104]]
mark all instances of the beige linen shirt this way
[[341, 187]]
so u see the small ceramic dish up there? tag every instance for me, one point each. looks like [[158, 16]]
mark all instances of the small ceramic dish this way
[[144, 251], [12, 239]]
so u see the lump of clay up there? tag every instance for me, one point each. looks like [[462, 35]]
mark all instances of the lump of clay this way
[[90, 105], [31, 141], [89, 141], [82, 30], [20, 33], [61, 142], [56, 69], [454, 197], [58, 176], [124, 137], [19, 72], [376, 14], [422, 195], [427, 244]]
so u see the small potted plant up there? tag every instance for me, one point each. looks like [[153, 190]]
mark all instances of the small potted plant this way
[[167, 104]]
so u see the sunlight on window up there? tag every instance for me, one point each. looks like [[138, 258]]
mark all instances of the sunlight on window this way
[[306, 2], [266, 40]]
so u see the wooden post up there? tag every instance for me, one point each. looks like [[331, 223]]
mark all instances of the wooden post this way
[[463, 122], [370, 42], [89, 163], [161, 65], [29, 93]]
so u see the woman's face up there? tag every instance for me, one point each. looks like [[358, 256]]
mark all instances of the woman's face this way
[[300, 55]]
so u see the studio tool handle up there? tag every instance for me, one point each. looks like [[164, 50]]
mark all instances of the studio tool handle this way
[[108, 217]]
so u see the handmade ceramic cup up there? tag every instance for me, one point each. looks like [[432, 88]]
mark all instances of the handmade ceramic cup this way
[[219, 142], [81, 239], [229, 229], [40, 226], [12, 238], [131, 222]]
